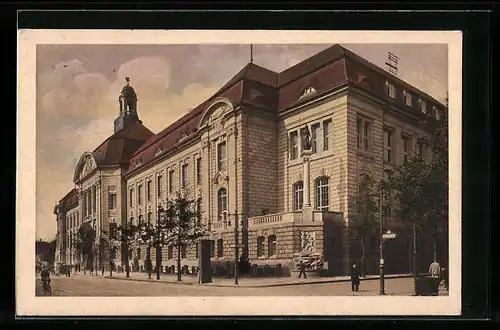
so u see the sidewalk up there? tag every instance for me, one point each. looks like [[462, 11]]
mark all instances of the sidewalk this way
[[244, 281]]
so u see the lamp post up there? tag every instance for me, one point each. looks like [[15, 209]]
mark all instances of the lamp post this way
[[387, 235], [236, 247]]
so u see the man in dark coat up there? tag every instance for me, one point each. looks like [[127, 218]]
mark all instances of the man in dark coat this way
[[302, 268], [355, 278]]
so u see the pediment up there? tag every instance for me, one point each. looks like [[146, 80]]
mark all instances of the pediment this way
[[85, 166], [216, 111], [220, 178]]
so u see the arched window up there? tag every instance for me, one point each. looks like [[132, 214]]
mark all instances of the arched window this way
[[150, 217], [298, 195], [271, 243], [141, 219], [131, 220], [260, 246], [322, 190], [220, 248], [222, 201]]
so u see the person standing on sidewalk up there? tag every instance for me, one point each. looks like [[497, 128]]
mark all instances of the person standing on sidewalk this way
[[355, 278], [435, 273], [302, 268]]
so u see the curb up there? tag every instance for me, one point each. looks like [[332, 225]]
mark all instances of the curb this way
[[257, 286]]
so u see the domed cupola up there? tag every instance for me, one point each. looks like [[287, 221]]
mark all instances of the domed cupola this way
[[128, 107]]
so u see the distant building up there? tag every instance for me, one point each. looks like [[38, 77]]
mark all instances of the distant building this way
[[241, 152]]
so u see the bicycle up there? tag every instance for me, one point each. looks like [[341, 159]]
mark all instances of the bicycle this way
[[47, 289]]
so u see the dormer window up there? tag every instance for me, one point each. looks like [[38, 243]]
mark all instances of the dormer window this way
[[158, 151], [307, 91], [437, 113], [138, 163], [391, 90], [423, 106], [408, 99], [182, 137]]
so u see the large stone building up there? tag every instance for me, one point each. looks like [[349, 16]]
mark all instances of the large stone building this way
[[241, 151]]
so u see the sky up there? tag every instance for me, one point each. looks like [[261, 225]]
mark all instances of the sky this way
[[78, 88]]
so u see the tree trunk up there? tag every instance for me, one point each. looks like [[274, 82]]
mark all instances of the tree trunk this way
[[148, 261], [362, 256], [434, 245], [158, 261], [179, 262], [415, 271], [110, 263], [127, 266]]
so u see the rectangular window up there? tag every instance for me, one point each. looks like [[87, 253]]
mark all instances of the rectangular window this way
[[405, 147], [198, 171], [408, 99], [220, 248], [94, 201], [170, 252], [212, 248], [131, 197], [366, 136], [314, 137], [260, 246], [387, 145], [139, 194], [171, 176], [421, 151], [423, 106], [221, 156], [294, 145], [326, 133], [359, 125], [148, 188], [111, 200], [392, 91], [183, 252], [298, 195], [159, 188], [185, 176], [322, 193], [271, 243]]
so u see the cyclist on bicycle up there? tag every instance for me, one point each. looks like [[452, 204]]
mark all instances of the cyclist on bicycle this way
[[45, 279]]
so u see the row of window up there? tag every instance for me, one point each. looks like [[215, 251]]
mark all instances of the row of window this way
[[321, 188], [217, 248], [89, 202], [184, 180], [317, 143], [72, 220], [408, 99], [365, 138]]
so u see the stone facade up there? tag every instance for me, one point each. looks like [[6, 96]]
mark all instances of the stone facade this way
[[244, 158]]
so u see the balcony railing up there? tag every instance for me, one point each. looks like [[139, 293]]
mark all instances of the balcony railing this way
[[274, 219]]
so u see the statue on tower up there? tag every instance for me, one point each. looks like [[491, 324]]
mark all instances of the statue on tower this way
[[128, 98], [306, 138]]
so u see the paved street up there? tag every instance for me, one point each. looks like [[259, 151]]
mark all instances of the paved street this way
[[80, 285]]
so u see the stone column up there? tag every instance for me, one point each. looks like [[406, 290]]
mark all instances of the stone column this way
[[307, 168], [206, 177], [307, 210]]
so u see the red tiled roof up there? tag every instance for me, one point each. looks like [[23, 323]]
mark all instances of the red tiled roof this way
[[187, 125], [323, 79], [118, 148], [260, 87]]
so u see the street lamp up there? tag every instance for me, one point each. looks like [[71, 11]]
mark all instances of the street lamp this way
[[387, 235], [236, 239]]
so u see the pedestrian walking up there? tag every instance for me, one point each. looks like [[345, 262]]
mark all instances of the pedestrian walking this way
[[435, 273], [302, 268], [355, 278]]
